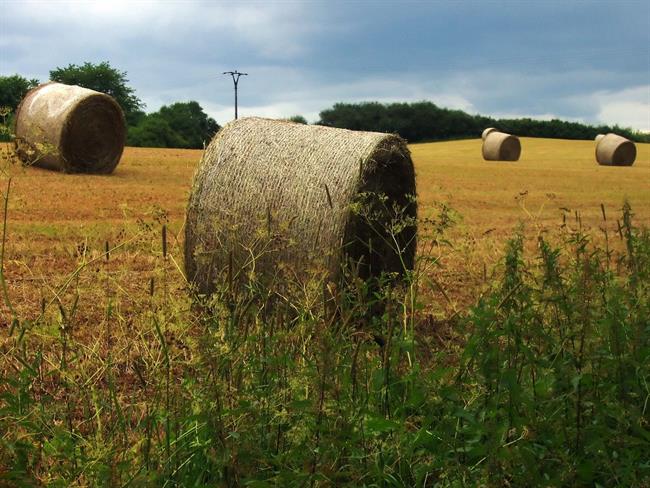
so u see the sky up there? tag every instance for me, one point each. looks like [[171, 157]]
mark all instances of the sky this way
[[587, 61]]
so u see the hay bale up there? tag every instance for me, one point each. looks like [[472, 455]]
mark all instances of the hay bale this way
[[70, 129], [487, 131], [292, 194], [614, 150], [499, 146]]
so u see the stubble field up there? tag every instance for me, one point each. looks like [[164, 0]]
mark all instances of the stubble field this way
[[109, 376], [58, 222]]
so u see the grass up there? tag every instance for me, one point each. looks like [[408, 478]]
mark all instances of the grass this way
[[516, 356]]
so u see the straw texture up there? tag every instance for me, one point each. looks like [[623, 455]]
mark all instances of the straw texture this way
[[499, 146], [70, 129], [614, 150], [289, 194]]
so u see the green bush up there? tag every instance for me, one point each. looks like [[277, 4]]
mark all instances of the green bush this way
[[154, 131], [13, 89], [181, 125], [6, 124], [298, 119]]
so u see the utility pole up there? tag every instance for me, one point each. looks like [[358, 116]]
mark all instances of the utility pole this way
[[235, 79]]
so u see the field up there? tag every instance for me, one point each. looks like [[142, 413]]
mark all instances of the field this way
[[115, 370], [53, 216]]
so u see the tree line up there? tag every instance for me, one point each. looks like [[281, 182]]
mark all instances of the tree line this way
[[186, 125], [425, 121]]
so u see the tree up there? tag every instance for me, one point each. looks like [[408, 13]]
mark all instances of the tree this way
[[190, 121], [422, 121], [154, 131], [13, 89], [106, 79], [182, 124]]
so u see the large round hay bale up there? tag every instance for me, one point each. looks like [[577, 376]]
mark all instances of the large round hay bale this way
[[499, 146], [274, 196], [70, 129], [614, 150]]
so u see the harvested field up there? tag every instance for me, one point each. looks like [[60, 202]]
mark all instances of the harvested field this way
[[54, 218], [110, 369]]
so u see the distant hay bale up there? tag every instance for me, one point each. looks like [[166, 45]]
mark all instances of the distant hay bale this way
[[70, 129], [499, 146], [297, 195], [614, 150]]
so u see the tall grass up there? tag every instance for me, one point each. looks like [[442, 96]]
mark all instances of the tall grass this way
[[306, 384]]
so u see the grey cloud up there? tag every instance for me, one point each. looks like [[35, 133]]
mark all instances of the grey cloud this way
[[511, 58]]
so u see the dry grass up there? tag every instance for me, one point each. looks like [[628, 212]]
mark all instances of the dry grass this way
[[55, 220]]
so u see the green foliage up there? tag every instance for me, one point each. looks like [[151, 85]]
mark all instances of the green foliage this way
[[6, 123], [13, 89], [424, 121], [154, 131], [183, 125], [558, 363], [298, 119], [414, 121], [106, 79]]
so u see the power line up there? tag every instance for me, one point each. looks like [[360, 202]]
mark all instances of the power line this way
[[235, 79]]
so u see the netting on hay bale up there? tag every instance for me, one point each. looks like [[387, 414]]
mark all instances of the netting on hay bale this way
[[499, 146], [273, 195], [69, 128], [614, 150]]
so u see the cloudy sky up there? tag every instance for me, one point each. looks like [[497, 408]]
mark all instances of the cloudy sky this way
[[576, 60]]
